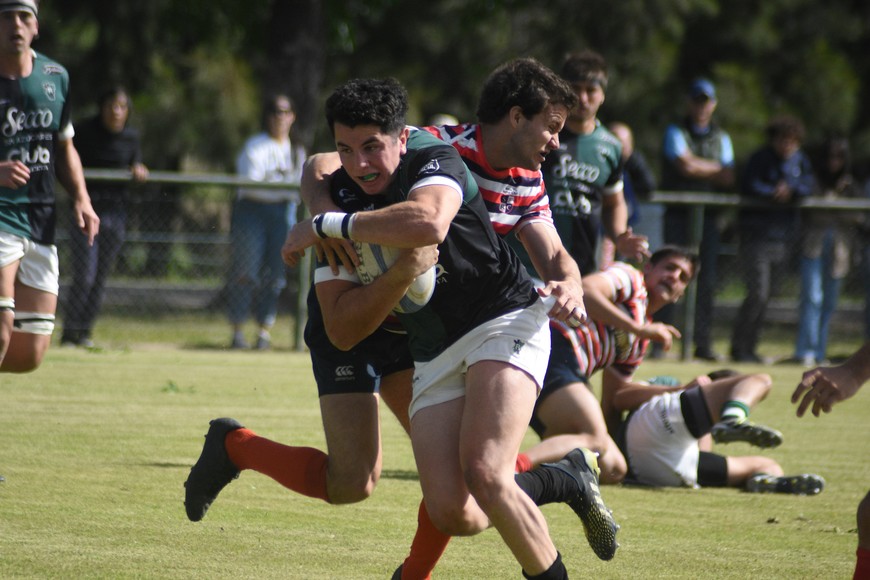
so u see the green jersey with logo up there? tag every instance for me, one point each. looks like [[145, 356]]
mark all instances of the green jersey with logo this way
[[33, 111]]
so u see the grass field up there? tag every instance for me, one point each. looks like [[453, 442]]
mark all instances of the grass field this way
[[95, 447]]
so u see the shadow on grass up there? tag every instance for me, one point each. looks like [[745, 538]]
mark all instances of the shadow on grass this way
[[400, 475]]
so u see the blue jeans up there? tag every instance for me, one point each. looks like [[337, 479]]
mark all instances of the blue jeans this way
[[257, 274], [819, 294]]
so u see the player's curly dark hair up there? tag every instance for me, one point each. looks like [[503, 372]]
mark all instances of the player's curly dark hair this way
[[522, 82], [381, 102]]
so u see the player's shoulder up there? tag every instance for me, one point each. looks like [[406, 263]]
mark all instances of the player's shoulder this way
[[46, 66]]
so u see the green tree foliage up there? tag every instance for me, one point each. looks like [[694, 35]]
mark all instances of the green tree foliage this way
[[198, 69]]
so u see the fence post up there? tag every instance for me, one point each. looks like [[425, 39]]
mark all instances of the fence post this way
[[696, 229]]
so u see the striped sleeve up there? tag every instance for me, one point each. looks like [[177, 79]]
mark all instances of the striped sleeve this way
[[514, 197]]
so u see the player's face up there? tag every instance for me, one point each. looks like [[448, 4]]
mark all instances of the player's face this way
[[280, 118], [114, 113], [667, 280], [536, 137], [17, 30], [590, 97], [370, 156]]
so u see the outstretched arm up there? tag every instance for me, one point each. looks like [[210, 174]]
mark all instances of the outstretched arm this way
[[558, 269], [601, 308], [821, 387]]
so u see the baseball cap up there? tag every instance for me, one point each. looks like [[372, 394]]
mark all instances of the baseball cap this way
[[25, 5], [702, 87]]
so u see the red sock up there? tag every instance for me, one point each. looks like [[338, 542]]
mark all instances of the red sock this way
[[862, 566], [523, 464], [426, 549], [302, 469]]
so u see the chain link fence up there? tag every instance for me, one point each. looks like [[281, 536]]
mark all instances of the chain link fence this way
[[177, 254]]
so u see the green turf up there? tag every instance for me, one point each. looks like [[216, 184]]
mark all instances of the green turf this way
[[95, 447]]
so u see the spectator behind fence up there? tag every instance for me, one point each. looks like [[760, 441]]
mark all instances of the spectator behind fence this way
[[638, 182], [826, 244], [103, 141], [779, 173], [260, 223], [36, 149], [697, 156]]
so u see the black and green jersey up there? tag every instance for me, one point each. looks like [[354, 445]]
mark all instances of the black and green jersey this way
[[478, 277], [33, 110]]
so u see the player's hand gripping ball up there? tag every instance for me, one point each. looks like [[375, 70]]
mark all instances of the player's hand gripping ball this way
[[374, 260]]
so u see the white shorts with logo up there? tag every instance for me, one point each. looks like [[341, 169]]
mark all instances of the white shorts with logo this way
[[520, 338], [661, 450], [38, 267]]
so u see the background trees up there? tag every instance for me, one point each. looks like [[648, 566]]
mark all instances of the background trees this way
[[197, 69]]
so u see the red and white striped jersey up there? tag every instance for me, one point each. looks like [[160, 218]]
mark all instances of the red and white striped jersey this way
[[598, 346], [514, 197]]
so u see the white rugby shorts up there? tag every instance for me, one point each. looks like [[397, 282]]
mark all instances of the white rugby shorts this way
[[661, 450], [38, 267], [520, 338]]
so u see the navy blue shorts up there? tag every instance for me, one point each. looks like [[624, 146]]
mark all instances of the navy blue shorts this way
[[360, 369]]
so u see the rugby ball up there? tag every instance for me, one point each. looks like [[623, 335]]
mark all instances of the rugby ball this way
[[374, 260]]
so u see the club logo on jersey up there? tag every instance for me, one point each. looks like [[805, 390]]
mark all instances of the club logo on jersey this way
[[430, 167], [346, 195], [50, 91], [518, 345], [508, 197], [52, 69]]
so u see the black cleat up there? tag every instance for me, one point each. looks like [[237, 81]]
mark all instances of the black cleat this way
[[729, 431], [803, 484], [598, 523], [212, 471]]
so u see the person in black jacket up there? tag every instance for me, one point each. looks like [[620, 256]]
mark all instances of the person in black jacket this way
[[103, 141]]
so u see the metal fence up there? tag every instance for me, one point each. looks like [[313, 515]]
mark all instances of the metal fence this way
[[783, 308], [177, 252]]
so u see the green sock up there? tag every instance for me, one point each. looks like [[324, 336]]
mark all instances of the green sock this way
[[734, 411]]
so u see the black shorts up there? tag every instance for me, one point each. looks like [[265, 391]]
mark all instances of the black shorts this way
[[360, 369]]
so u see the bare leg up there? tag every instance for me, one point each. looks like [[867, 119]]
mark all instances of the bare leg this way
[[748, 389], [396, 393], [572, 418], [467, 447], [353, 442]]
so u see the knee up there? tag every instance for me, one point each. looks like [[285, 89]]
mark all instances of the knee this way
[[613, 467], [454, 519], [485, 485], [352, 487], [765, 383]]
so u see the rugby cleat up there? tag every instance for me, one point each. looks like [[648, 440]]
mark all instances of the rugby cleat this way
[[598, 523], [729, 431], [212, 471], [803, 484]]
